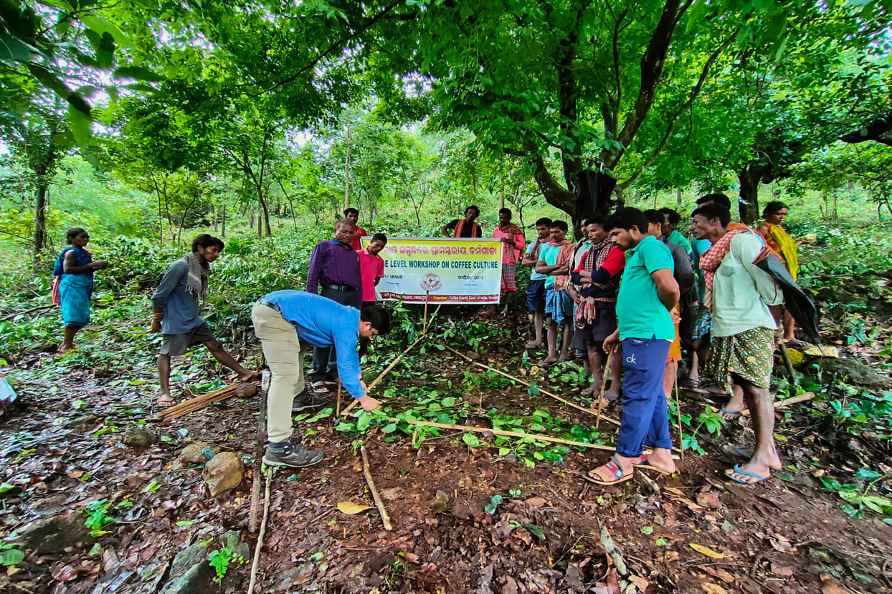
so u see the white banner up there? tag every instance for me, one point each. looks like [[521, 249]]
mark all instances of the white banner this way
[[453, 270]]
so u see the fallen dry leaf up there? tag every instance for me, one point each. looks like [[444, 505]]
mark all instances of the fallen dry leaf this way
[[831, 586], [639, 582], [704, 550], [351, 509], [713, 589]]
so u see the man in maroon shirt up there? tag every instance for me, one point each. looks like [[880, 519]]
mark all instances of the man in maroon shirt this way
[[352, 215], [334, 267]]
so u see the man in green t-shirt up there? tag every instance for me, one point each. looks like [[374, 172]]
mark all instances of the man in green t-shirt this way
[[647, 293]]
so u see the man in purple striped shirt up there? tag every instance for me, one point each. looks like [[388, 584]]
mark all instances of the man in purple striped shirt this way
[[334, 266]]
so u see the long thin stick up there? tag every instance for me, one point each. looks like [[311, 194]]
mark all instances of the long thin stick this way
[[256, 563], [259, 446], [381, 375], [678, 411], [367, 471], [804, 397], [536, 436], [785, 355], [427, 298], [338, 400], [604, 371], [225, 391], [525, 383], [26, 312]]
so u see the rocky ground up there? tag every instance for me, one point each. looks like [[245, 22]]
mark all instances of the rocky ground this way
[[80, 449]]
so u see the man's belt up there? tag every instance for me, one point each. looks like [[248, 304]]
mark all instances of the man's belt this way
[[340, 288]]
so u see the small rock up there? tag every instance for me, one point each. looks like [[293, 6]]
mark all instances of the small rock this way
[[441, 502], [54, 534], [139, 437], [196, 580], [233, 541], [223, 472], [536, 502], [191, 555], [194, 453]]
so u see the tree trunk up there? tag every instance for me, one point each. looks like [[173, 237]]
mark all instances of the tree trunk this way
[[223, 221], [748, 203], [40, 217], [265, 209], [347, 173], [678, 198]]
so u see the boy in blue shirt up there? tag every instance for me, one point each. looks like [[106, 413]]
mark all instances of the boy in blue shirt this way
[[284, 319]]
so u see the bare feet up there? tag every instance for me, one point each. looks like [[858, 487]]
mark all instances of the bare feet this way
[[165, 400], [534, 344], [548, 361]]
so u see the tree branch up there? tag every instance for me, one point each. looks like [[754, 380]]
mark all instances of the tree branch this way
[[879, 130], [340, 43], [652, 63], [673, 118]]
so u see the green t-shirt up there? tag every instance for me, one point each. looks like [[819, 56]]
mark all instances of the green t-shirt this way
[[680, 240], [548, 253], [639, 311]]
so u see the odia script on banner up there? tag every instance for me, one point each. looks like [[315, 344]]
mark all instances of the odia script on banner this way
[[455, 271]]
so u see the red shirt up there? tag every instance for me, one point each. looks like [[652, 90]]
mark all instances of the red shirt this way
[[613, 263], [357, 233], [371, 268]]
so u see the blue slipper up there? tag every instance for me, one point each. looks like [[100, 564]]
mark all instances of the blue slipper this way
[[740, 471]]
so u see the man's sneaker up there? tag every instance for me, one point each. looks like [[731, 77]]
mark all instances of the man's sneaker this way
[[307, 400], [291, 454]]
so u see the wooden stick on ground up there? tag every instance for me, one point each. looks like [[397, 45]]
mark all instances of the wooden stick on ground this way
[[678, 411], [256, 563], [525, 383], [804, 397], [605, 369], [199, 402], [535, 436], [379, 503], [259, 447], [26, 312], [427, 298], [381, 375]]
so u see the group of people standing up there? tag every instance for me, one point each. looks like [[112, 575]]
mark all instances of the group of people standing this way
[[634, 294], [628, 299]]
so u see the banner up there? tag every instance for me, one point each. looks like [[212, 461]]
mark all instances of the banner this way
[[454, 270]]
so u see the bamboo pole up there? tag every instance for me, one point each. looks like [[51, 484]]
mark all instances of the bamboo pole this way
[[525, 383], [256, 563], [535, 436], [605, 369], [379, 503], [678, 412], [381, 375], [338, 400], [804, 397], [259, 446], [225, 392]]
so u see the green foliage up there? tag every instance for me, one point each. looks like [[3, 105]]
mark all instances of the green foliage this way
[[857, 496], [10, 555], [221, 559], [98, 517], [494, 502]]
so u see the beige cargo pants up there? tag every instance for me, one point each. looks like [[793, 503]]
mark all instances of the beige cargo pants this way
[[281, 348]]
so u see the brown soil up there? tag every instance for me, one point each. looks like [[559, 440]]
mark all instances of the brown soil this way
[[780, 536]]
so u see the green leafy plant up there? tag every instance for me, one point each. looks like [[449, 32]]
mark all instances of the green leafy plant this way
[[859, 498], [10, 555], [221, 559], [494, 502], [98, 517]]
